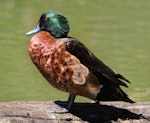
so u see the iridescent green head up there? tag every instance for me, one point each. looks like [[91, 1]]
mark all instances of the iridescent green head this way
[[53, 22]]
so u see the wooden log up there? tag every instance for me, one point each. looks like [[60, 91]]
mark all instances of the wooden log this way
[[106, 112]]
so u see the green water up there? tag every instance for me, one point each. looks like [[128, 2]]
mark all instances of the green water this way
[[117, 31]]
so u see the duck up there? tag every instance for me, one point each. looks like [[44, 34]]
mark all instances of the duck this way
[[69, 66]]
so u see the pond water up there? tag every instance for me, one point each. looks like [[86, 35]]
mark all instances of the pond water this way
[[116, 31]]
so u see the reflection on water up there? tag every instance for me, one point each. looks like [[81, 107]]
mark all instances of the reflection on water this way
[[116, 31]]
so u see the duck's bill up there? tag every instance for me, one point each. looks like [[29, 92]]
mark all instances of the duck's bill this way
[[35, 30]]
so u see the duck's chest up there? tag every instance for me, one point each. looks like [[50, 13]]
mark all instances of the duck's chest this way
[[41, 51], [46, 55], [49, 57]]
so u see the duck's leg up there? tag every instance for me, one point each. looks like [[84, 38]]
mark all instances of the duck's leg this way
[[62, 109], [71, 99]]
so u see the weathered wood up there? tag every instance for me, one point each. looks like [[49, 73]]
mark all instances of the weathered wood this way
[[106, 112]]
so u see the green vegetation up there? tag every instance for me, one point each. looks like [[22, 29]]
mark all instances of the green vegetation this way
[[117, 31]]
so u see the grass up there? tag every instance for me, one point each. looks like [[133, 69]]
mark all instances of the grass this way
[[116, 31]]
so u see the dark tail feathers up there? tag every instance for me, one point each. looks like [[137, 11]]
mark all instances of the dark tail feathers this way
[[113, 93]]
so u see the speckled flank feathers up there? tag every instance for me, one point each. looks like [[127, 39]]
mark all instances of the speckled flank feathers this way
[[69, 65], [63, 70]]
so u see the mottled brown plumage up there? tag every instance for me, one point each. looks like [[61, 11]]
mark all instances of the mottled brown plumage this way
[[70, 66], [62, 69]]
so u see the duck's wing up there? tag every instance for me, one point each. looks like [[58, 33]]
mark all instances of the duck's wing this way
[[95, 65], [106, 75]]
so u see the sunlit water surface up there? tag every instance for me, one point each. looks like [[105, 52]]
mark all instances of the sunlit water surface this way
[[118, 32]]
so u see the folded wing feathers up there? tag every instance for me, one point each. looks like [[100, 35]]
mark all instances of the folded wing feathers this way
[[90, 60], [122, 78], [79, 71]]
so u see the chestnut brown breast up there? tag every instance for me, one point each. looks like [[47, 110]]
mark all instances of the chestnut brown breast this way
[[62, 69]]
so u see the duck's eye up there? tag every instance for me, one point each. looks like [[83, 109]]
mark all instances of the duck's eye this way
[[46, 19]]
